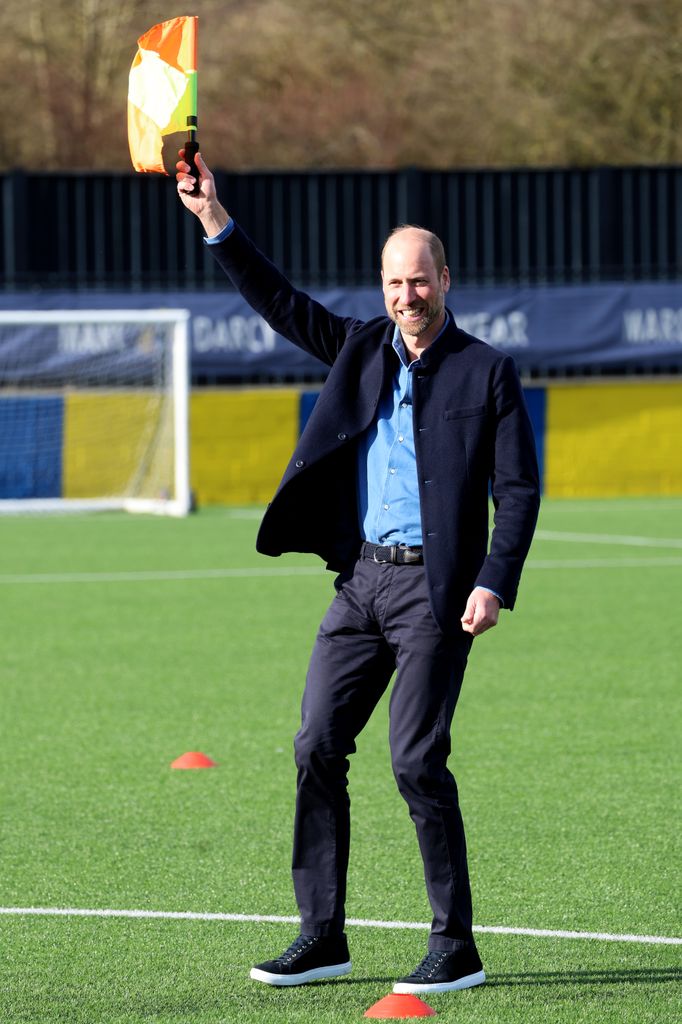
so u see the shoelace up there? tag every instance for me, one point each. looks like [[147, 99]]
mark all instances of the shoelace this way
[[430, 964], [298, 946]]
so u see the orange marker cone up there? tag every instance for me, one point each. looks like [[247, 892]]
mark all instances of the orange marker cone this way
[[193, 759], [394, 1006]]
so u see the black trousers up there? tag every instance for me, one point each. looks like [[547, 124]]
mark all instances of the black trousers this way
[[379, 622]]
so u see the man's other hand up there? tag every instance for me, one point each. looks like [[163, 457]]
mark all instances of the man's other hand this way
[[482, 612]]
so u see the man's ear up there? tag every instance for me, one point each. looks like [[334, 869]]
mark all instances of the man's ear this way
[[445, 279]]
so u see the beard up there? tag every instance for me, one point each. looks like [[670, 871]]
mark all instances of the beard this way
[[428, 314]]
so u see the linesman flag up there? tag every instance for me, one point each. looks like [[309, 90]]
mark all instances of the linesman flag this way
[[162, 91]]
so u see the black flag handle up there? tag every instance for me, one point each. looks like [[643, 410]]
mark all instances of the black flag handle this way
[[191, 150]]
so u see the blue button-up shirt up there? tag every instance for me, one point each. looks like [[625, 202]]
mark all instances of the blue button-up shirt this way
[[388, 491]]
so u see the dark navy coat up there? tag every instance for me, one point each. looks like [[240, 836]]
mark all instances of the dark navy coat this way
[[471, 432]]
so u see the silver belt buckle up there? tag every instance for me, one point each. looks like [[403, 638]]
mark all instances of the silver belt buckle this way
[[382, 561]]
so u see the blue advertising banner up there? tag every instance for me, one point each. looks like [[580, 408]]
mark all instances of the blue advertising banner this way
[[545, 329]]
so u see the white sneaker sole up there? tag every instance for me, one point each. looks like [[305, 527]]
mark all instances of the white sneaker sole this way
[[468, 981], [315, 974]]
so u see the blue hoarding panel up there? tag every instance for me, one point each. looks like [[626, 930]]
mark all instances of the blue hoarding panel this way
[[31, 447], [536, 400], [308, 399]]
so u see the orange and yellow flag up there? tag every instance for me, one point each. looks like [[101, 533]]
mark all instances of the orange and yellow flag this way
[[162, 89]]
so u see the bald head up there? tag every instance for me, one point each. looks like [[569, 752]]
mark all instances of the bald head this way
[[417, 233]]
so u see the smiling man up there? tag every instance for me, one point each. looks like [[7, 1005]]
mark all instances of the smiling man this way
[[389, 484], [415, 280]]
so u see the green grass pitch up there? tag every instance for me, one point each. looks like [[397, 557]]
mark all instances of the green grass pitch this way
[[565, 750]]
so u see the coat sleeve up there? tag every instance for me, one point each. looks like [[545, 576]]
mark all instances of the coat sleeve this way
[[514, 484], [290, 312]]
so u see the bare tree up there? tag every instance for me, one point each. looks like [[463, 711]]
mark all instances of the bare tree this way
[[346, 83]]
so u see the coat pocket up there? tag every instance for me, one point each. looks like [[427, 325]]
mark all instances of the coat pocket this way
[[460, 414]]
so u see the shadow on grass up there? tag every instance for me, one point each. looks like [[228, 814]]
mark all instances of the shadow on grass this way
[[356, 979], [637, 976]]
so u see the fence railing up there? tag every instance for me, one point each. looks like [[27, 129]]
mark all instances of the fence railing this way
[[327, 228]]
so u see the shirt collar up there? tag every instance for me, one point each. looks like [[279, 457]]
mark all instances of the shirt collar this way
[[399, 345]]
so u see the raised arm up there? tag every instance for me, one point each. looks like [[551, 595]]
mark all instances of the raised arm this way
[[290, 312]]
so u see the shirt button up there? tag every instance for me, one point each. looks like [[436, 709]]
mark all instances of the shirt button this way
[[342, 437], [403, 405], [387, 507], [391, 471], [401, 438], [300, 463]]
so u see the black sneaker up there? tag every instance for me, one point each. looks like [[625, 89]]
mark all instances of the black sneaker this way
[[308, 958], [444, 971]]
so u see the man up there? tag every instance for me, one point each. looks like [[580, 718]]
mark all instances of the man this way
[[389, 484]]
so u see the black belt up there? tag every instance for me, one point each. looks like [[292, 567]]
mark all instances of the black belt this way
[[396, 554]]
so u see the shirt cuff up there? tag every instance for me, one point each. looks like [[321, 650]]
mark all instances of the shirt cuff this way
[[222, 235], [493, 592]]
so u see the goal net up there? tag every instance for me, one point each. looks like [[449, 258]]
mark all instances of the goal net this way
[[94, 411]]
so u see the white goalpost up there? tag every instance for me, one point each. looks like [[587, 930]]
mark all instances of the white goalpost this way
[[94, 411]]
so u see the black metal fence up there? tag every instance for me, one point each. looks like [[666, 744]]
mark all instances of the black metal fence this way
[[326, 229]]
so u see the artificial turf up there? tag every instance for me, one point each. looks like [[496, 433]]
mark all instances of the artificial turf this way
[[565, 751]]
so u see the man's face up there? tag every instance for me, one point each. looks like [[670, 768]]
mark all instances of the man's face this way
[[414, 292]]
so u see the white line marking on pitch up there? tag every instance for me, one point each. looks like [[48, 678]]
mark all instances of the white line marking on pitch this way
[[609, 538], [601, 563], [170, 575], [152, 575], [579, 505], [186, 915]]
